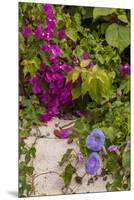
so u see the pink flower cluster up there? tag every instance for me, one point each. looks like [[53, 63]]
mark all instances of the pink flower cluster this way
[[49, 83]]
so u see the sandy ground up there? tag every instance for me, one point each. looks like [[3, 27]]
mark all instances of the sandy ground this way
[[49, 150]]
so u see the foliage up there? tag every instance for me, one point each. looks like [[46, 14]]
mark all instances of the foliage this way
[[76, 59], [28, 116]]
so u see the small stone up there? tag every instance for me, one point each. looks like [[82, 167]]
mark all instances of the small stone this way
[[90, 181], [78, 179], [48, 134], [95, 177], [104, 178]]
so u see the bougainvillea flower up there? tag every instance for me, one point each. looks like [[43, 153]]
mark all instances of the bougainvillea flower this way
[[80, 157], [51, 23], [45, 117], [85, 56], [61, 34], [89, 65], [55, 51], [45, 47], [48, 77], [113, 148], [92, 164], [75, 60], [95, 140], [26, 31], [65, 133], [47, 34], [48, 10], [124, 69], [35, 82], [44, 98], [38, 31]]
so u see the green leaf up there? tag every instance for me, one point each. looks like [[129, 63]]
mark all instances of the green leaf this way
[[94, 89], [84, 63], [67, 175], [66, 157], [123, 18], [99, 12], [118, 36], [75, 74], [30, 66], [126, 161], [76, 91], [72, 34], [77, 18], [112, 163]]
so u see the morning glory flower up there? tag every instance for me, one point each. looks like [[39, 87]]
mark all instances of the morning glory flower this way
[[26, 31], [113, 148], [95, 140], [92, 164]]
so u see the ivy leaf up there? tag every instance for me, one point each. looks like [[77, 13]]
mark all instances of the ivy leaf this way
[[66, 157], [98, 12], [67, 175], [118, 36], [123, 18]]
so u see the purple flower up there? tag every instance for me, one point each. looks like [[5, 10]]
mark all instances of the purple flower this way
[[61, 34], [55, 51], [38, 31], [75, 60], [36, 87], [51, 23], [95, 140], [92, 164], [89, 65], [44, 98], [65, 133], [48, 77], [124, 69], [85, 56], [113, 148], [46, 47], [26, 31], [48, 10], [80, 157], [45, 117], [47, 34]]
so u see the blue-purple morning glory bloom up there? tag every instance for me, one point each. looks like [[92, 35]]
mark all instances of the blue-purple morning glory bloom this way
[[92, 164], [95, 140]]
